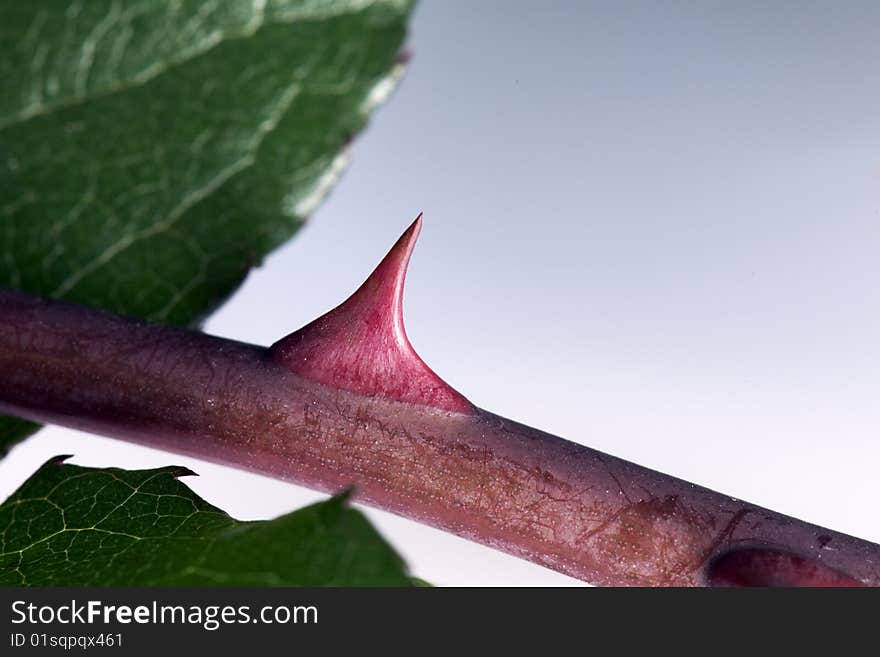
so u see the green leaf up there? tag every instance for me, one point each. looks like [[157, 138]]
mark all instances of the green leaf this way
[[75, 526], [153, 151], [12, 431]]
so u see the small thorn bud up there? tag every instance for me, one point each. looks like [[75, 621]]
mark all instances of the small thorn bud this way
[[772, 566]]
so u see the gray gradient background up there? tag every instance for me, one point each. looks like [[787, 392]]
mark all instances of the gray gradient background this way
[[649, 227]]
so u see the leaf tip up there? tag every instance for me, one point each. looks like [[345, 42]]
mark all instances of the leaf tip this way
[[179, 471], [346, 495], [404, 57]]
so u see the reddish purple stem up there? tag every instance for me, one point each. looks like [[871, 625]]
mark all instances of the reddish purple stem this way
[[346, 400]]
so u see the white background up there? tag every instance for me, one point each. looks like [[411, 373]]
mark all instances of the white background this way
[[649, 227]]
